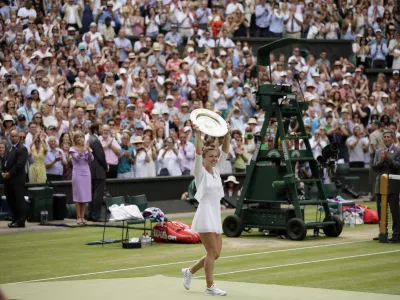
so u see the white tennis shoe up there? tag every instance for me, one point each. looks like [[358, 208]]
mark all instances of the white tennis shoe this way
[[187, 278], [214, 291]]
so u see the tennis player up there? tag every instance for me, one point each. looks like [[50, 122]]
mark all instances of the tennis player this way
[[3, 296], [207, 220]]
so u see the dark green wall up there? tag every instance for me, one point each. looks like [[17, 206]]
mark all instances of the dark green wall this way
[[169, 188]]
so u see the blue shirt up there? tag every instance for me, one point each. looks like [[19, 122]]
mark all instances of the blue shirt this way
[[57, 168], [125, 43], [91, 99], [262, 20], [28, 113], [230, 93], [200, 11], [379, 52], [173, 37], [276, 25], [124, 165], [247, 106], [105, 14]]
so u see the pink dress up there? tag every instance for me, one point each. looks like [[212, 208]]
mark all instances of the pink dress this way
[[137, 29], [81, 177]]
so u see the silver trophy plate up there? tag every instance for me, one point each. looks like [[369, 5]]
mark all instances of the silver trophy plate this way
[[209, 122]]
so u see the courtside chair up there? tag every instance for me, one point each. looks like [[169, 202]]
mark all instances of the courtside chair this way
[[141, 202], [110, 201]]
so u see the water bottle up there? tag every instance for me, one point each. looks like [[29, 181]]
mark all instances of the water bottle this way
[[44, 217], [352, 221], [346, 220]]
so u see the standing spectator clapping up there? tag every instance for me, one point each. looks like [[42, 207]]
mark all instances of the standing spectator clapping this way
[[169, 159], [81, 178], [111, 149]]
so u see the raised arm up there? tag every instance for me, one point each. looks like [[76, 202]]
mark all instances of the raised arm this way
[[199, 142], [227, 141]]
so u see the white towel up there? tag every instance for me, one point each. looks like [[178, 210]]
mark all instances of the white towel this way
[[124, 212]]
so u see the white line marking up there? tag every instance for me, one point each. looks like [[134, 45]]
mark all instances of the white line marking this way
[[186, 262], [303, 263]]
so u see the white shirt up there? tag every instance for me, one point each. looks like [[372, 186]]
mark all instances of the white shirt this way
[[25, 13], [171, 161], [159, 106], [185, 20], [232, 7], [225, 43], [371, 12], [94, 38], [296, 27], [221, 103], [141, 169], [191, 62], [72, 17], [190, 78], [210, 43], [46, 94], [317, 151]]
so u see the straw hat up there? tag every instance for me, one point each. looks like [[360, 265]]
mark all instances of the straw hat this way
[[252, 121], [80, 104], [8, 118], [90, 107], [231, 178], [138, 140]]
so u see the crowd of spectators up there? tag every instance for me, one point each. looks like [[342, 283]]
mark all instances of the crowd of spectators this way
[[67, 64]]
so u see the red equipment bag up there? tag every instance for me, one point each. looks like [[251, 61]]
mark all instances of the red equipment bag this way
[[175, 232], [370, 215]]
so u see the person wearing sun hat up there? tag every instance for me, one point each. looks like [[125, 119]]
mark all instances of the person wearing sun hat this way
[[231, 190], [8, 123], [237, 117], [157, 59]]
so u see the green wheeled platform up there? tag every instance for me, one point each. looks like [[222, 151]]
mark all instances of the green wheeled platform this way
[[269, 199]]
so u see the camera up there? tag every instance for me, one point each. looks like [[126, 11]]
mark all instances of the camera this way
[[249, 136], [7, 78], [329, 156]]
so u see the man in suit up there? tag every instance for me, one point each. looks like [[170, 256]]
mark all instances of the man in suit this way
[[387, 161], [98, 169], [14, 179]]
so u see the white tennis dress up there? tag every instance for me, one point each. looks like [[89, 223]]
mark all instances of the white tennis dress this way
[[209, 193]]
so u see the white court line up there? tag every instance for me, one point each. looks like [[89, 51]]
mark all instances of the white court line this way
[[186, 262], [303, 263]]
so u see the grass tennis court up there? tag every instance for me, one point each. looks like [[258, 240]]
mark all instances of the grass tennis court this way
[[352, 262]]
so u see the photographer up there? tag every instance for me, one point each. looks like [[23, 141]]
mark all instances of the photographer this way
[[169, 159], [338, 134]]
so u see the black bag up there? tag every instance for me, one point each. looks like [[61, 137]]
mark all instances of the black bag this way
[[186, 172], [164, 172]]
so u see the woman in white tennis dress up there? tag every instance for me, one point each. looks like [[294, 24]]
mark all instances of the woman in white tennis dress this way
[[207, 220]]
